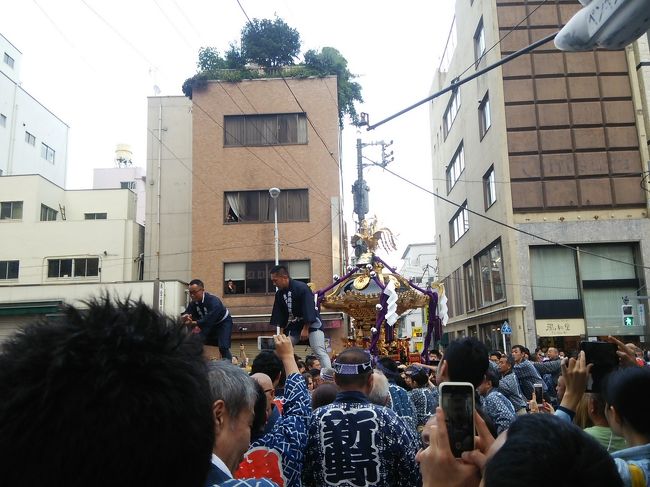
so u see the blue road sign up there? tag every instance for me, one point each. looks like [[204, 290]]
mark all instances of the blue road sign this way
[[505, 328]]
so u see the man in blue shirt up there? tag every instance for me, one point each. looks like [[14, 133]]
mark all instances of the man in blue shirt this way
[[211, 316], [294, 310]]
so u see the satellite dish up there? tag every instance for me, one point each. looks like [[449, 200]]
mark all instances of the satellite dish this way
[[605, 24]]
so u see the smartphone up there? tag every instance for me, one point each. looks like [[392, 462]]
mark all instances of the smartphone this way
[[603, 356], [539, 393], [265, 343], [457, 401]]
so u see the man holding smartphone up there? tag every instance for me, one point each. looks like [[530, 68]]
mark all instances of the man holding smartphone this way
[[294, 310], [526, 372]]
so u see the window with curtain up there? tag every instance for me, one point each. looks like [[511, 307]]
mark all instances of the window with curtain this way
[[258, 206], [259, 130], [255, 278], [470, 299], [553, 273]]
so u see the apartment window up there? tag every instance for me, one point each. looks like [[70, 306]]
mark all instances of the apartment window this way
[[256, 130], [258, 206], [470, 286], [8, 269], [11, 210], [484, 117], [47, 153], [95, 216], [30, 139], [479, 42], [3, 120], [459, 224], [127, 185], [450, 113], [457, 291], [48, 214], [9, 61], [455, 167], [490, 267], [254, 277], [77, 267], [489, 188]]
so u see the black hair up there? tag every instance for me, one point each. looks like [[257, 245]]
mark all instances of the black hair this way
[[267, 362], [314, 373], [467, 360], [419, 375], [115, 394], [197, 282], [628, 390], [520, 347], [324, 394], [310, 359], [492, 376], [281, 270], [353, 355], [539, 443], [390, 369], [496, 353], [259, 413]]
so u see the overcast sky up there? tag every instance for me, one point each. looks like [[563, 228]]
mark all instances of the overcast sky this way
[[93, 63]]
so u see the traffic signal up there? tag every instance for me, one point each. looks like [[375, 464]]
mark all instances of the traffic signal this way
[[628, 314]]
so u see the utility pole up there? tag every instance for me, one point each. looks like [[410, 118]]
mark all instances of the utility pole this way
[[360, 188]]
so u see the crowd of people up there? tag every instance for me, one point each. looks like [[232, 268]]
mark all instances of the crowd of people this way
[[117, 394]]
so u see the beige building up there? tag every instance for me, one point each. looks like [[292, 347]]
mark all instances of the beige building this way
[[220, 154], [538, 158], [53, 238]]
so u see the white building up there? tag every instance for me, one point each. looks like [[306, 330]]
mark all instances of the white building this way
[[23, 304], [51, 235], [32, 139], [420, 264], [124, 176]]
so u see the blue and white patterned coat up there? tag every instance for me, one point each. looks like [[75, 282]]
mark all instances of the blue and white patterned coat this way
[[499, 409], [353, 443], [287, 441]]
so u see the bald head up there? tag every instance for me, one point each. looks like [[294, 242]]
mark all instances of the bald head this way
[[263, 380]]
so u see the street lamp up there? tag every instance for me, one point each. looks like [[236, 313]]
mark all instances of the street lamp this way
[[275, 192]]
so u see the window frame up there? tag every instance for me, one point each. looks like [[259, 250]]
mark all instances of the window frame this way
[[480, 45], [268, 264], [460, 217], [48, 214], [9, 61], [274, 124], [487, 251], [451, 112], [3, 120], [230, 216], [12, 209], [457, 161], [127, 185], [489, 188], [484, 116], [5, 276], [96, 216], [75, 264], [47, 152], [30, 138]]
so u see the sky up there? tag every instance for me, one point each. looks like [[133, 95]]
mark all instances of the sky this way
[[94, 63]]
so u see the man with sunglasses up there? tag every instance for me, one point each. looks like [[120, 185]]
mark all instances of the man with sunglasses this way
[[208, 313]]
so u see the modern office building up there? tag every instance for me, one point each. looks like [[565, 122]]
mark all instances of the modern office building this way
[[542, 164]]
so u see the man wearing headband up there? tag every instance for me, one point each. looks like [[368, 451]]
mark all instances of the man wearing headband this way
[[353, 443]]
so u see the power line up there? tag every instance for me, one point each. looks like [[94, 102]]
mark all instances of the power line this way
[[493, 220], [244, 11], [189, 22], [458, 82], [173, 25]]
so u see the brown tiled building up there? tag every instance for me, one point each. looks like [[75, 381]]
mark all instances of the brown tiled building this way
[[554, 146], [246, 138]]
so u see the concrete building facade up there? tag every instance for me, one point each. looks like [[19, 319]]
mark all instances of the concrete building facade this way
[[419, 263], [32, 139], [246, 137], [542, 164]]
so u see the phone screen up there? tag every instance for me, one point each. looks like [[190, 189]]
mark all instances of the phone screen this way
[[265, 343], [603, 356], [539, 393], [457, 401]]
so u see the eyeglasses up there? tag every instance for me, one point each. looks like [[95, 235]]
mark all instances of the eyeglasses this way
[[196, 291]]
